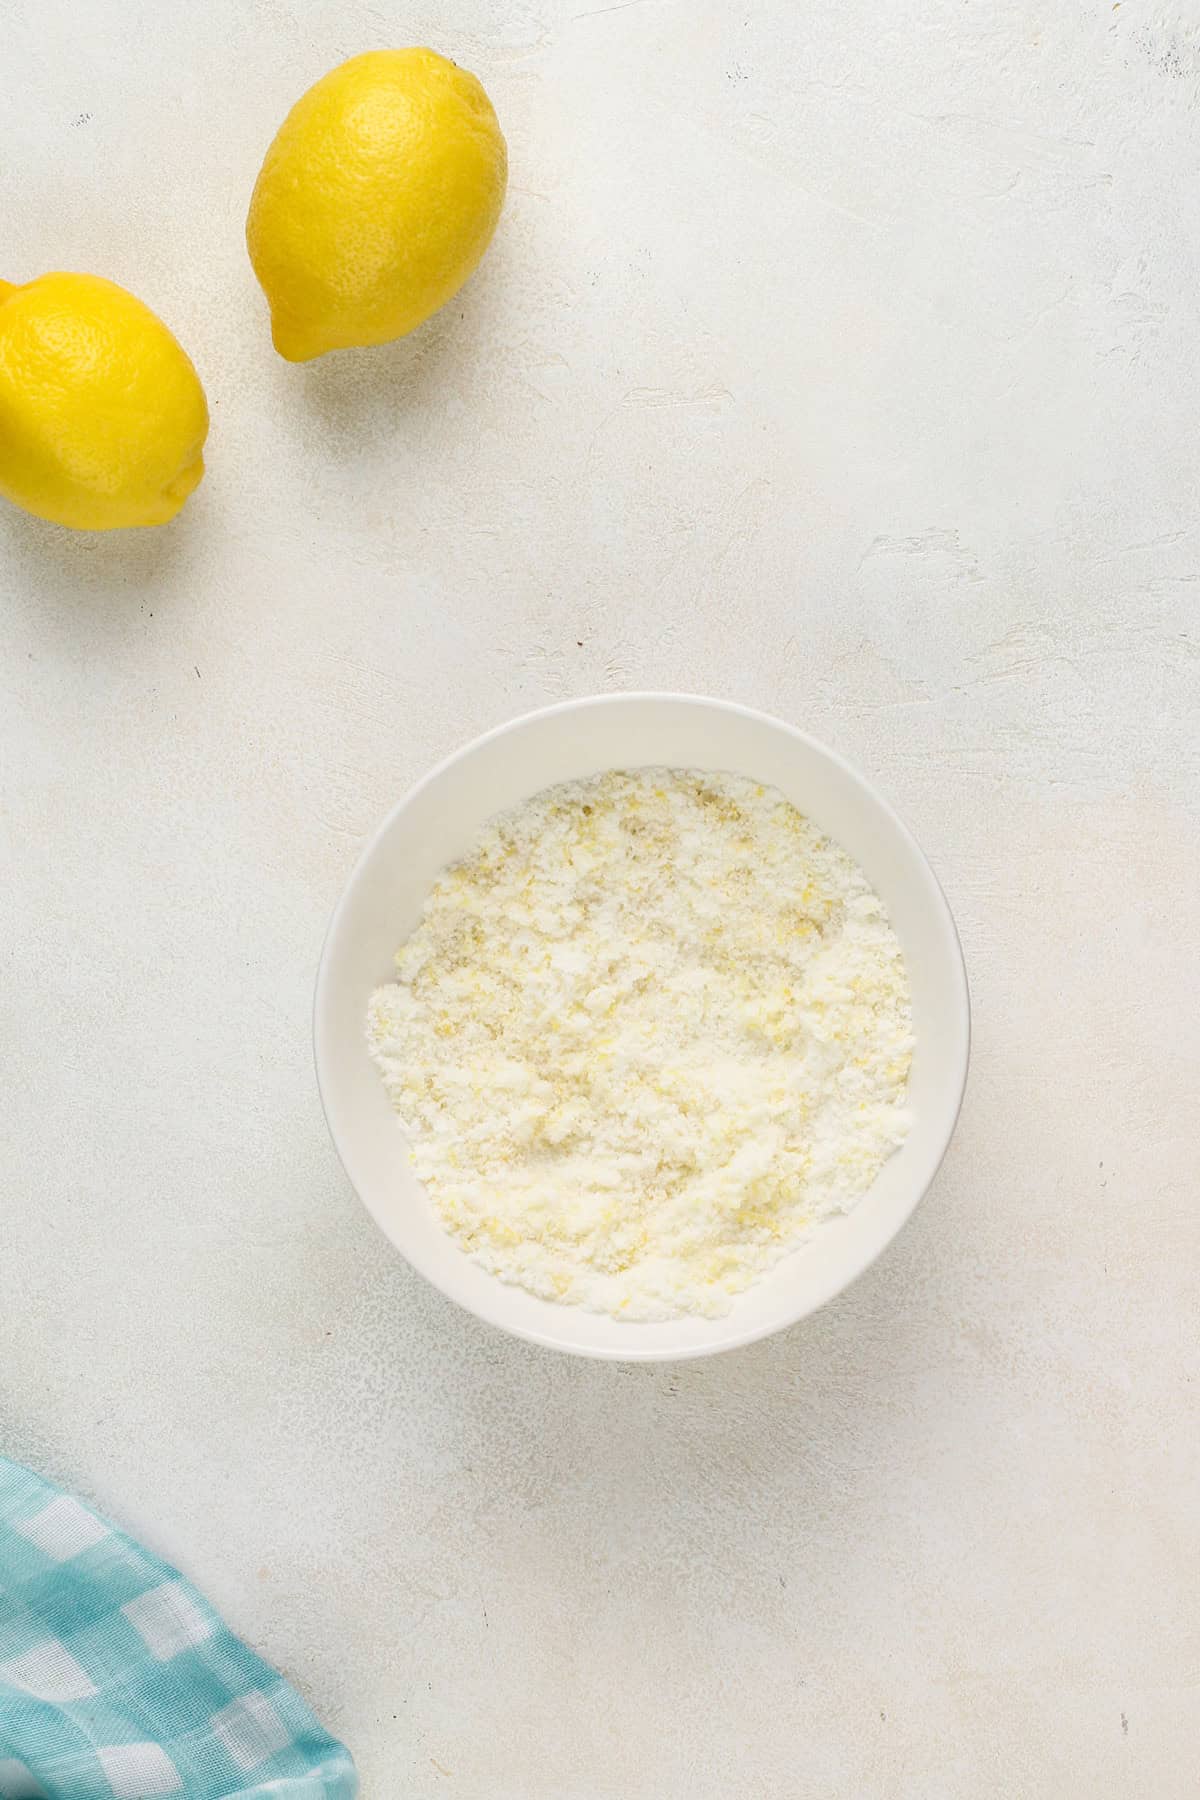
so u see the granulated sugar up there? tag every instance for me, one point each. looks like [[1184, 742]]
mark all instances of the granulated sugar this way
[[651, 1030]]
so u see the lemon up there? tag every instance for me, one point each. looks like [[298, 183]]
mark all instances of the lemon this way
[[376, 201], [102, 416]]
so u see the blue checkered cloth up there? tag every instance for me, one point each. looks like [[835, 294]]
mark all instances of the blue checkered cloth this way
[[118, 1682]]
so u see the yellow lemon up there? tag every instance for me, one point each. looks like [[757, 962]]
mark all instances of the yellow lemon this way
[[376, 201], [102, 416]]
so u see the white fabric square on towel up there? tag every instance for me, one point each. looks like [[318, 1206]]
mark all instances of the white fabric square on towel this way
[[168, 1620], [18, 1782], [136, 1771], [63, 1529], [49, 1672], [251, 1730]]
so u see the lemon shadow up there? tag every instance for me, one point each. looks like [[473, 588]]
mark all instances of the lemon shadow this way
[[359, 394], [54, 565]]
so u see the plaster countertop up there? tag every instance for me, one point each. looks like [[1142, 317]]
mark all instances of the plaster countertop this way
[[839, 359]]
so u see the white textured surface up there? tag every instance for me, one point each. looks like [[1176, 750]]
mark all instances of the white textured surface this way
[[838, 358]]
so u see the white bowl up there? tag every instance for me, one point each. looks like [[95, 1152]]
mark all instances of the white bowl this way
[[436, 823]]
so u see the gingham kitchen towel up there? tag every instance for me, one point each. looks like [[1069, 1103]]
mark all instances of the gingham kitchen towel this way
[[118, 1682]]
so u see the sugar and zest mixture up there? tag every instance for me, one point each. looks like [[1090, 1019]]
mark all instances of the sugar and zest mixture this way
[[648, 1032]]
